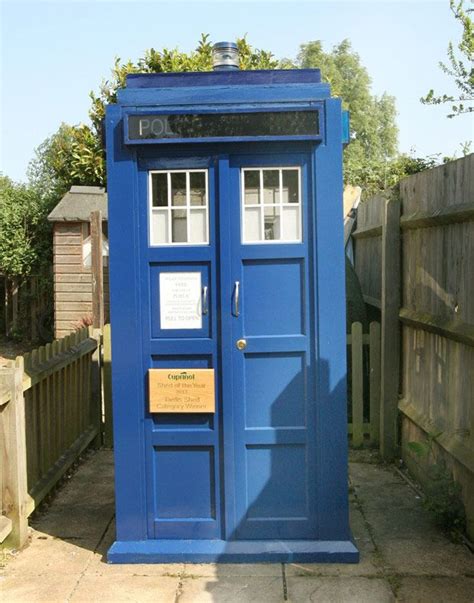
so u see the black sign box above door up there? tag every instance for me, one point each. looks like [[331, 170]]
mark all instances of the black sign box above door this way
[[223, 125]]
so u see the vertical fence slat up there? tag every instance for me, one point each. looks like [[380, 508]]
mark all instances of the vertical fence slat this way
[[390, 347], [13, 456], [107, 386], [49, 412], [56, 431], [374, 381], [357, 385]]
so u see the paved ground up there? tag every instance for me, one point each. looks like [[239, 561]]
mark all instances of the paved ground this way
[[403, 556]]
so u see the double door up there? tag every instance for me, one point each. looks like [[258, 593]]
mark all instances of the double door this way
[[233, 233]]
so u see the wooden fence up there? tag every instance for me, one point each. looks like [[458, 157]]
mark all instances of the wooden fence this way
[[50, 411], [363, 362], [414, 255], [25, 307]]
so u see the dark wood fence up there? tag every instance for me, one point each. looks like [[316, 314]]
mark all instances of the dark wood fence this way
[[414, 255], [363, 363]]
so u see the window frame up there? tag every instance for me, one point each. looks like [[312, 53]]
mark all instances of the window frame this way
[[168, 209], [263, 205]]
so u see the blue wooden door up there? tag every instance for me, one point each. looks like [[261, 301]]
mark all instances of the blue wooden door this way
[[179, 245], [270, 349], [240, 225]]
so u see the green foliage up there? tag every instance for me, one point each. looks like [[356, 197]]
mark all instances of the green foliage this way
[[73, 155], [373, 127], [443, 494], [460, 69], [173, 60], [25, 234]]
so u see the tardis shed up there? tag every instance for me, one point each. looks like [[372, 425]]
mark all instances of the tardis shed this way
[[72, 257], [228, 313]]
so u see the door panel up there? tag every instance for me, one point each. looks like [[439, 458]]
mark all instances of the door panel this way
[[272, 408], [277, 287], [182, 450]]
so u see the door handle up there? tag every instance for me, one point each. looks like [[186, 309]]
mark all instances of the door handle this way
[[236, 298], [204, 301], [241, 344]]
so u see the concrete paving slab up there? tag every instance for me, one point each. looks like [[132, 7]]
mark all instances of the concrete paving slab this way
[[47, 554], [49, 587], [401, 549], [331, 589], [369, 565], [115, 589], [420, 557], [218, 570], [228, 589], [439, 590]]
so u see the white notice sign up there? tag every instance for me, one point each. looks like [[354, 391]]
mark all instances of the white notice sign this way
[[180, 300]]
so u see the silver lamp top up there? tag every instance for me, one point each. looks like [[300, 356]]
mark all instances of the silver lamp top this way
[[225, 56]]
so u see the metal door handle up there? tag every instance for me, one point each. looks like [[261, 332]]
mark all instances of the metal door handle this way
[[204, 300], [241, 344], [236, 298]]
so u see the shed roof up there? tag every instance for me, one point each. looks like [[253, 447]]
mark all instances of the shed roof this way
[[78, 203]]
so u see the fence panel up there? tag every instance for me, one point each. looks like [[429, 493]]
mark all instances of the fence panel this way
[[436, 312], [364, 385], [59, 389]]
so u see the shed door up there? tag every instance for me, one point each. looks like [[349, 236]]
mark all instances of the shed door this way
[[271, 351], [236, 234]]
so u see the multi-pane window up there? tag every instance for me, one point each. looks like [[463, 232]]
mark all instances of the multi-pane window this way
[[271, 205], [179, 207]]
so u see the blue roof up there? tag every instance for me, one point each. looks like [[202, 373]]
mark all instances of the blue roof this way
[[224, 78]]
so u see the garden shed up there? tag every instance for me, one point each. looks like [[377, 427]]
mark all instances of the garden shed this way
[[72, 251]]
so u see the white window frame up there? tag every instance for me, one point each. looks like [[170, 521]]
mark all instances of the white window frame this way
[[169, 208], [262, 205]]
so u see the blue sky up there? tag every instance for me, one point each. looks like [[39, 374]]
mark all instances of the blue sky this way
[[54, 53]]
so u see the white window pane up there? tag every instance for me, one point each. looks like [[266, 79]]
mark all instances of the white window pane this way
[[291, 224], [178, 188], [197, 226], [272, 223], [159, 184], [178, 226], [252, 217], [252, 187], [159, 227], [198, 188], [291, 192], [271, 186]]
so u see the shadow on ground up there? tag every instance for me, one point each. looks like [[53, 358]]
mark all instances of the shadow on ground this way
[[404, 557]]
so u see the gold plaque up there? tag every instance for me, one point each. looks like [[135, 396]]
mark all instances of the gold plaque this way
[[181, 390]]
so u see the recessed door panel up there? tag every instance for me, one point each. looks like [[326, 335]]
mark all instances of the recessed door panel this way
[[273, 296], [274, 391], [272, 353]]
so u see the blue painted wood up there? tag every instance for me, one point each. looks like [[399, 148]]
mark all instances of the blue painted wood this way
[[274, 491], [330, 370], [243, 96], [223, 78], [220, 551], [127, 385], [265, 477]]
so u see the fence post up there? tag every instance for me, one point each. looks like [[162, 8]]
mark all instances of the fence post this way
[[97, 270], [390, 308], [14, 495], [374, 382], [357, 385], [96, 386], [107, 386]]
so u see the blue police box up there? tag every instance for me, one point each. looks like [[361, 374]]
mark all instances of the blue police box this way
[[228, 318]]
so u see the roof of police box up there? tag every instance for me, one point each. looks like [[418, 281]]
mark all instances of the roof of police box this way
[[78, 203]]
